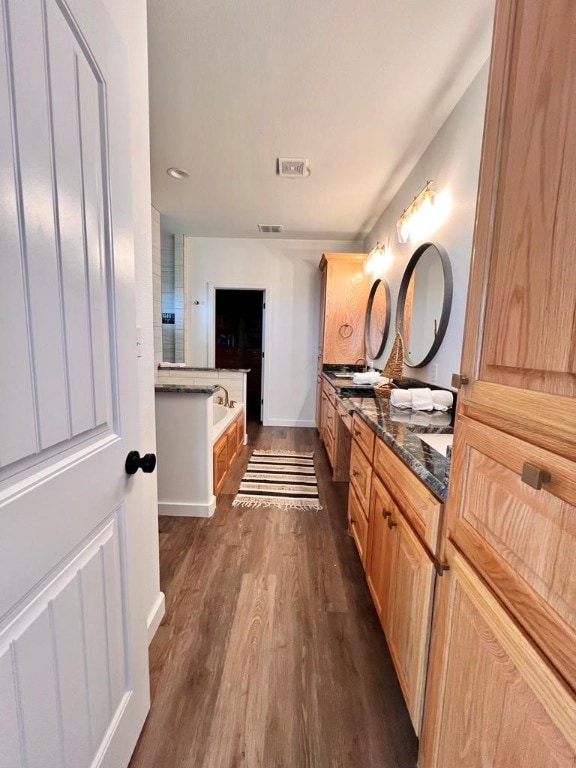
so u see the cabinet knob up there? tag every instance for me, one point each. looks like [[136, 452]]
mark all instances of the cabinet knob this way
[[392, 524], [535, 476], [386, 514], [357, 432], [355, 473]]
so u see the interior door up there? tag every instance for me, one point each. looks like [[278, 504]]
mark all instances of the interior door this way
[[73, 660]]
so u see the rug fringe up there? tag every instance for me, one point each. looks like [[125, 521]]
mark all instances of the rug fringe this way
[[285, 453], [254, 504]]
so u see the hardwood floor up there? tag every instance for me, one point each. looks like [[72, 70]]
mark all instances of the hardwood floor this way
[[270, 653]]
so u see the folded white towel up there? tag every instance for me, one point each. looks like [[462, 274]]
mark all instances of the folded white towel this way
[[369, 377], [443, 400], [401, 398], [422, 399]]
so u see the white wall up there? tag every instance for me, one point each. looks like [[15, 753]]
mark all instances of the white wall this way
[[288, 271], [129, 18], [452, 159]]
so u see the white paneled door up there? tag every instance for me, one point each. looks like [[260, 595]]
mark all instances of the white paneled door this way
[[73, 656]]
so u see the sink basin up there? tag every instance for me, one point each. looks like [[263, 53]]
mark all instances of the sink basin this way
[[439, 442]]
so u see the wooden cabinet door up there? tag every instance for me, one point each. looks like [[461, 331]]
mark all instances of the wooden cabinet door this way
[[220, 462], [240, 429], [381, 540], [409, 614], [346, 296], [492, 700], [519, 338], [232, 447], [360, 474], [358, 525]]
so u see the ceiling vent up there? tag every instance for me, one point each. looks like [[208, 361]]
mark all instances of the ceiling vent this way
[[270, 228], [293, 168]]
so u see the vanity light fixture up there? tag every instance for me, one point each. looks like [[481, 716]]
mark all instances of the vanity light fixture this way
[[177, 173], [425, 214], [379, 259]]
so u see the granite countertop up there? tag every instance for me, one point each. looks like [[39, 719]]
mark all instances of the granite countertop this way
[[398, 430], [188, 389], [178, 367], [345, 386]]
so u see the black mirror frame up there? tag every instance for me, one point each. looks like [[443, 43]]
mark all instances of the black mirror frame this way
[[386, 330], [446, 303]]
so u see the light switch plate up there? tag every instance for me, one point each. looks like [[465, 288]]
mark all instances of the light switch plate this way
[[433, 373], [139, 342]]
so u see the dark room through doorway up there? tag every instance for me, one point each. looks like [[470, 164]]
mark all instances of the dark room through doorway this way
[[239, 339]]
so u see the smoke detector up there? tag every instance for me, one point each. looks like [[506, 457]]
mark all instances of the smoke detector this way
[[293, 168], [270, 228]]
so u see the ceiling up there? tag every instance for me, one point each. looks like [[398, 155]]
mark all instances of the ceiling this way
[[359, 88]]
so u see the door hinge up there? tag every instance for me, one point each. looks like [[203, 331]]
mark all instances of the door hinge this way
[[262, 355], [261, 402], [264, 305]]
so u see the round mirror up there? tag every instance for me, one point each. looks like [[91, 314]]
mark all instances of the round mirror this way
[[377, 320], [424, 303]]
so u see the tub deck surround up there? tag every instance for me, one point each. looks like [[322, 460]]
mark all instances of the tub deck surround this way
[[430, 466], [188, 389], [178, 367]]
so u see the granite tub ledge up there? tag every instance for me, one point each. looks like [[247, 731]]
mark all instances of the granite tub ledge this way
[[430, 466], [188, 389], [179, 367]]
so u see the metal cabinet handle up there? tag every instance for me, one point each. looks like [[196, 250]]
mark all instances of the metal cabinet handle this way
[[346, 330], [535, 476]]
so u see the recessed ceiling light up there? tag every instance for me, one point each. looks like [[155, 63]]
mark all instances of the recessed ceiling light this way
[[177, 173]]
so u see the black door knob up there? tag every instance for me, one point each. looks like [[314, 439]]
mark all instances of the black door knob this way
[[134, 462]]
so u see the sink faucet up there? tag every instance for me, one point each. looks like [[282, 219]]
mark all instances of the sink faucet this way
[[364, 362], [226, 400]]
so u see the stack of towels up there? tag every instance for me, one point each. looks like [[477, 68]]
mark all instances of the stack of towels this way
[[421, 399], [369, 377]]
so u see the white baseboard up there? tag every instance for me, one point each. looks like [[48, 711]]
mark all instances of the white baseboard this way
[[289, 423], [184, 509], [156, 615]]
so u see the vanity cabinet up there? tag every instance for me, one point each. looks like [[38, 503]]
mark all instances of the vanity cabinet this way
[[225, 450], [398, 560], [504, 642]]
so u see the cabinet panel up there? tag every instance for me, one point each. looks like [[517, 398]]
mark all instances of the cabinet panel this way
[[409, 615], [492, 700], [240, 429], [346, 295], [523, 539], [232, 447], [358, 525], [381, 541], [364, 436], [220, 461], [360, 474]]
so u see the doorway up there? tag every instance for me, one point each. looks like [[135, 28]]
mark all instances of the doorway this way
[[239, 324]]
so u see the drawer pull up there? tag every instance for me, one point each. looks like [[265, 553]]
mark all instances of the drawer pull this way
[[386, 514], [357, 432], [392, 524], [535, 476], [355, 473]]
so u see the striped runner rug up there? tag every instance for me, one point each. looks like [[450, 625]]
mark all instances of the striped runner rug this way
[[284, 479]]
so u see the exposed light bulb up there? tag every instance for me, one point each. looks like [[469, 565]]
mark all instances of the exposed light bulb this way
[[379, 259]]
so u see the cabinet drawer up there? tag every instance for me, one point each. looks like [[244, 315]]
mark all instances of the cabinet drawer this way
[[330, 393], [363, 435], [360, 475], [358, 524], [522, 539], [344, 415], [422, 509]]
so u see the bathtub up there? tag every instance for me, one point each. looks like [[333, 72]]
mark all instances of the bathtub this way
[[222, 417]]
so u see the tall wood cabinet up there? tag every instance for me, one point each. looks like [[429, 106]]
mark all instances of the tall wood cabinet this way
[[343, 299], [502, 674]]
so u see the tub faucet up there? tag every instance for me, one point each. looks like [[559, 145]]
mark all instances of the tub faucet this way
[[226, 400], [363, 361]]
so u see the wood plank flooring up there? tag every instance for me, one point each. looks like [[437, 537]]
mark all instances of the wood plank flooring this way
[[270, 653]]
